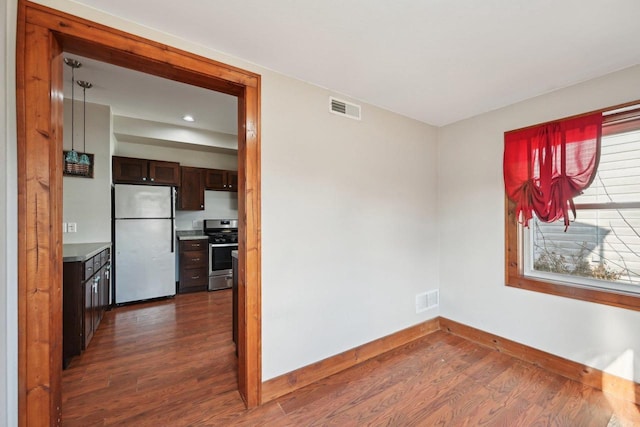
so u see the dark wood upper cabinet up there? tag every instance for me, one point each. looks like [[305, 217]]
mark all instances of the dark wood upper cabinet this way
[[164, 172], [127, 170], [232, 181], [191, 192], [216, 179]]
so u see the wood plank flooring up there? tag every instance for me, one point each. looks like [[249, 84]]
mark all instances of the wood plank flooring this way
[[172, 363]]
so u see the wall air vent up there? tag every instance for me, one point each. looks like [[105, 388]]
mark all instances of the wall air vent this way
[[433, 299], [344, 108], [427, 300]]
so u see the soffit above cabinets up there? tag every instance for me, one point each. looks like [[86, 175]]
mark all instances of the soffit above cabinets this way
[[127, 129]]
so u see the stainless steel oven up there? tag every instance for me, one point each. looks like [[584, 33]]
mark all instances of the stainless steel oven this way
[[220, 265], [223, 238]]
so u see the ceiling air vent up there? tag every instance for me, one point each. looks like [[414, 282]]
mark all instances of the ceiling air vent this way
[[344, 108]]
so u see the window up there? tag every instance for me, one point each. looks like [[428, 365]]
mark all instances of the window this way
[[597, 258]]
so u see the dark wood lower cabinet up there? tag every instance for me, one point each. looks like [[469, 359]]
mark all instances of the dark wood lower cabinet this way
[[234, 302], [85, 297], [88, 321], [194, 265]]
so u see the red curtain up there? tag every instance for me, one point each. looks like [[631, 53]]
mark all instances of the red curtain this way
[[546, 166]]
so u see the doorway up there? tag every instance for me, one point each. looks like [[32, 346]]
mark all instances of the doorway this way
[[43, 34]]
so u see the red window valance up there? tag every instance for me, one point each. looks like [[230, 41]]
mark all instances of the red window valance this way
[[546, 166]]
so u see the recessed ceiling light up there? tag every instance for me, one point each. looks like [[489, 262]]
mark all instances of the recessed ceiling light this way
[[188, 118]]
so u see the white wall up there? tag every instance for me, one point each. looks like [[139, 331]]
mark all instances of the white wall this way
[[349, 224], [348, 216], [8, 220], [217, 205], [86, 201], [471, 218], [129, 128]]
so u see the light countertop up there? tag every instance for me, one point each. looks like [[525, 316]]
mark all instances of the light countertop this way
[[190, 235], [74, 252]]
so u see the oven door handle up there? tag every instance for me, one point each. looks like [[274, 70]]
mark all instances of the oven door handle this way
[[210, 258], [222, 245]]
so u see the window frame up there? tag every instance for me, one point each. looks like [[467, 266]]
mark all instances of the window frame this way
[[514, 264]]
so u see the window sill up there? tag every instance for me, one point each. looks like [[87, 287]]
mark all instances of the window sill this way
[[614, 298]]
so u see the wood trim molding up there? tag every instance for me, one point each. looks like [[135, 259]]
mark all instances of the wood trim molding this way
[[306, 375], [39, 217], [619, 387], [249, 265], [42, 34]]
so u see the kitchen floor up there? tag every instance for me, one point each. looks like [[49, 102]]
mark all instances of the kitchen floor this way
[[154, 362], [172, 363]]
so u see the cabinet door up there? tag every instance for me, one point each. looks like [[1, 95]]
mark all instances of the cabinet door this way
[[193, 280], [191, 191], [72, 309], [166, 173], [87, 323], [234, 303], [98, 299], [129, 170], [197, 245], [106, 286], [232, 181], [193, 259], [215, 179]]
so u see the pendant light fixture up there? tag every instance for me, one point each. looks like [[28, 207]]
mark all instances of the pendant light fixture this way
[[84, 162], [71, 158]]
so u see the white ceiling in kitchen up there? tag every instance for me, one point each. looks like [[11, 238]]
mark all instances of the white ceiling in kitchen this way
[[142, 96], [438, 61]]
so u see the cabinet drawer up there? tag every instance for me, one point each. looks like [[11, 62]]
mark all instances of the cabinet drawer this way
[[89, 268], [104, 257], [194, 259], [194, 278], [194, 245]]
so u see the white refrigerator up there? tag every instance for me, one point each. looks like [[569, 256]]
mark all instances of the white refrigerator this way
[[144, 242]]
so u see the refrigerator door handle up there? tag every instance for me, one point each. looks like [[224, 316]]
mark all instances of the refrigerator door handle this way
[[173, 236], [173, 216]]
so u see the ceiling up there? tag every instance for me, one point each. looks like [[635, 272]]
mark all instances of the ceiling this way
[[143, 96], [437, 61]]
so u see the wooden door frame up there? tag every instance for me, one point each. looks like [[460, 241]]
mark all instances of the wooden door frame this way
[[42, 35]]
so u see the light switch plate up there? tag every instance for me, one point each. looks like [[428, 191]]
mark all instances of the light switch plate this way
[[72, 227]]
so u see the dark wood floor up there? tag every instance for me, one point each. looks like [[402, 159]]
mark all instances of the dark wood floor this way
[[172, 363]]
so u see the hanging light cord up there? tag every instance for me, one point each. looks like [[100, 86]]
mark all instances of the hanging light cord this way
[[85, 85], [73, 64], [73, 85], [84, 119]]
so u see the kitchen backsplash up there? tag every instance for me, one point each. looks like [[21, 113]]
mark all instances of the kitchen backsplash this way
[[217, 205]]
